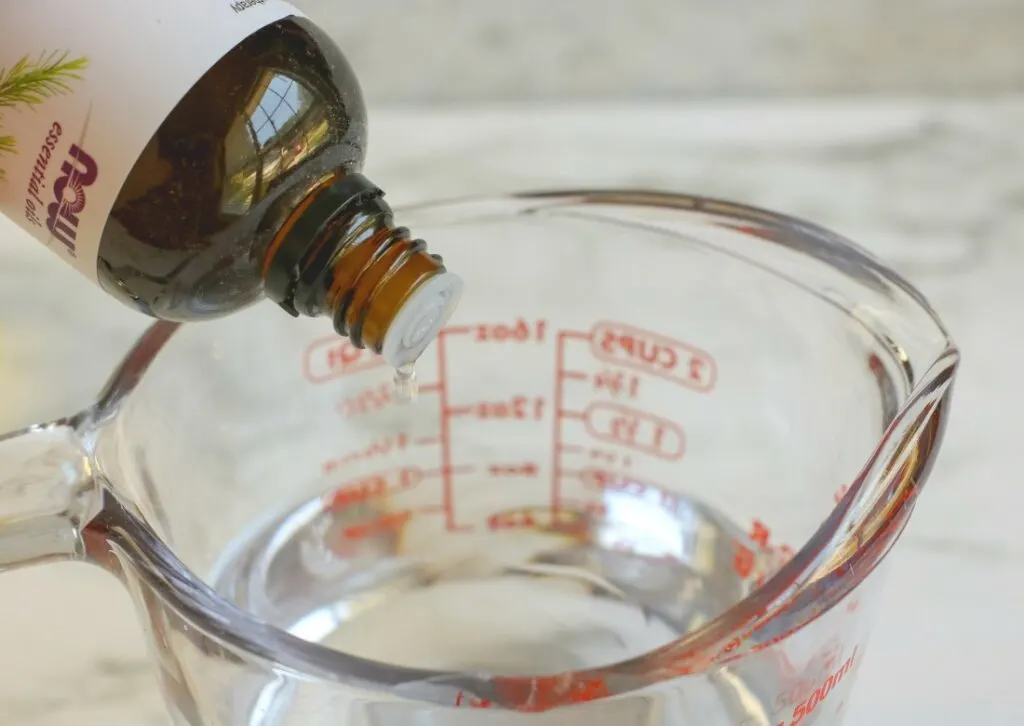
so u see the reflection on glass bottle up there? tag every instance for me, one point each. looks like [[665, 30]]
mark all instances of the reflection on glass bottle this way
[[250, 188], [276, 134], [280, 110]]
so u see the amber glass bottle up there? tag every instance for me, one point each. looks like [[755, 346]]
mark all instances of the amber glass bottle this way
[[251, 187]]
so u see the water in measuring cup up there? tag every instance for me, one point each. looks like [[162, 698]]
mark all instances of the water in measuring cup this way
[[431, 572], [573, 589], [477, 557]]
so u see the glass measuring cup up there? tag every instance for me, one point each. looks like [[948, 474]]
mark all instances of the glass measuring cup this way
[[656, 460]]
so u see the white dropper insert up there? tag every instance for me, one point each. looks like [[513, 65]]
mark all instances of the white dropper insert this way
[[421, 318]]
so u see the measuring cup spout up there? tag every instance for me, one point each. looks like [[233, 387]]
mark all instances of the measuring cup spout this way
[[900, 466], [872, 514], [47, 494]]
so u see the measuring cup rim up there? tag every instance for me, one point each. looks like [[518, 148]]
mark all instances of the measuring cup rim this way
[[720, 641]]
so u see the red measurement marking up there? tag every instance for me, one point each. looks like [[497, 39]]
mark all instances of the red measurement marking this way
[[537, 518], [450, 471], [518, 519], [369, 400], [876, 365], [574, 335], [329, 358], [518, 408], [772, 235], [808, 705], [518, 332], [543, 694], [447, 494], [745, 559], [379, 448], [617, 384], [373, 486], [760, 533], [611, 458], [638, 430], [558, 400], [527, 469], [456, 330], [385, 524], [608, 481], [653, 353], [593, 509], [464, 700]]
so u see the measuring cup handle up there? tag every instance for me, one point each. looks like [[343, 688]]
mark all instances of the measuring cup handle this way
[[46, 494]]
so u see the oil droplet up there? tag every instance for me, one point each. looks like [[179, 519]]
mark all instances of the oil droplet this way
[[406, 388]]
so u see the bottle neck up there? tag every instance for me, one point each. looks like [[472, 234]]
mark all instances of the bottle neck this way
[[340, 255]]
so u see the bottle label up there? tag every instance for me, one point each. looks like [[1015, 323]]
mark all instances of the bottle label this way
[[83, 88]]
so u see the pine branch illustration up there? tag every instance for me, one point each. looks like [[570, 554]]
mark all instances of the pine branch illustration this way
[[30, 82]]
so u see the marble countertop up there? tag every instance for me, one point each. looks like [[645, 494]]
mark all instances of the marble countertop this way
[[935, 188]]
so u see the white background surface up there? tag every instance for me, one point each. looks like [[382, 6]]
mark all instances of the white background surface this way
[[936, 189]]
